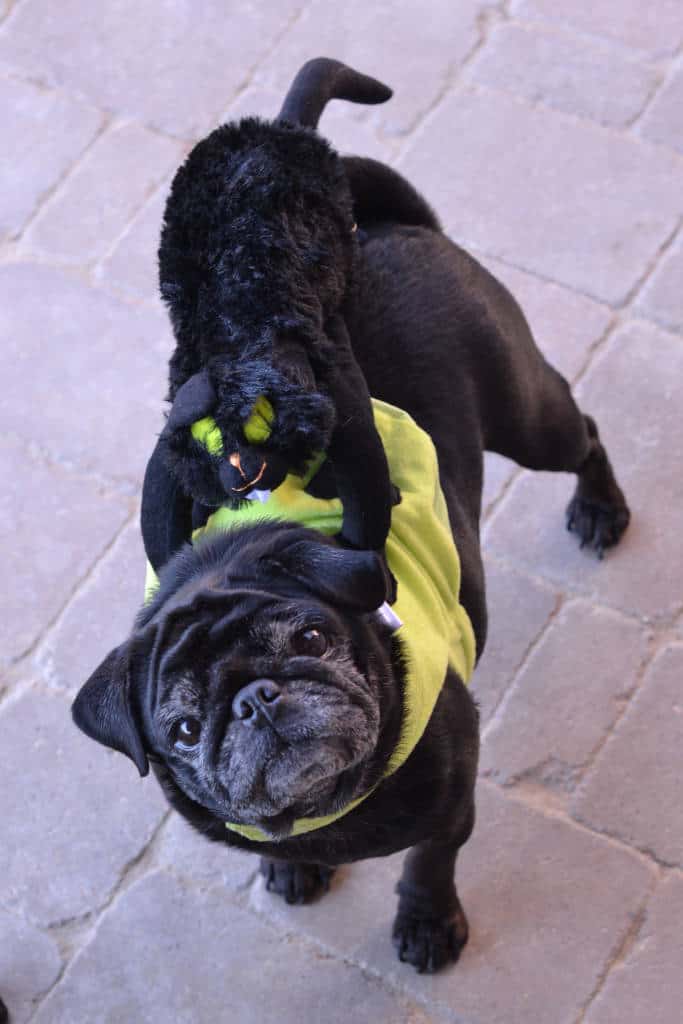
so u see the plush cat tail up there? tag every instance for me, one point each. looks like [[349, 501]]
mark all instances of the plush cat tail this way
[[321, 80]]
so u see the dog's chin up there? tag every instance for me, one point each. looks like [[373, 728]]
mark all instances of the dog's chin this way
[[305, 780], [278, 826], [309, 779]]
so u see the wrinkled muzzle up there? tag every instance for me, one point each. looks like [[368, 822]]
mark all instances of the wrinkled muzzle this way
[[289, 746]]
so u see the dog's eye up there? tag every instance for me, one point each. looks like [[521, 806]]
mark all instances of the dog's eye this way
[[187, 732], [310, 642]]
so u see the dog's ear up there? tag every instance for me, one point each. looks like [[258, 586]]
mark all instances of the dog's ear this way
[[105, 708], [350, 579]]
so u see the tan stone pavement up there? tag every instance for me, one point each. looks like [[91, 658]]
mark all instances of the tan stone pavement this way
[[548, 134]]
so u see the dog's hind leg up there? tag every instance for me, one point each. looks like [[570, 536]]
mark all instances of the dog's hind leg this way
[[538, 424], [598, 512]]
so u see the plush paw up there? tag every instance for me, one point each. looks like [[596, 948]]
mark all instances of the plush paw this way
[[597, 524], [429, 943], [296, 883]]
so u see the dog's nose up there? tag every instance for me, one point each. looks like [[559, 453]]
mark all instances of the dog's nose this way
[[257, 703]]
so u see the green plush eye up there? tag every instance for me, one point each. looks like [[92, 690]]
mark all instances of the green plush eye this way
[[259, 425], [206, 431]]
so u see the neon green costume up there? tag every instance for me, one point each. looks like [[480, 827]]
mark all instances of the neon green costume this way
[[436, 630]]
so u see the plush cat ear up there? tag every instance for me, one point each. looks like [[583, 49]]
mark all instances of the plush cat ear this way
[[105, 707], [346, 578], [194, 400]]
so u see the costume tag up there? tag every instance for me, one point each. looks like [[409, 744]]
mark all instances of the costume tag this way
[[257, 495], [389, 617]]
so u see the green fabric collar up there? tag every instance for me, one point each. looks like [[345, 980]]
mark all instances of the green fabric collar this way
[[436, 630]]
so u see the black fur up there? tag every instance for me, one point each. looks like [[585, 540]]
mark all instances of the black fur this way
[[257, 266], [437, 335]]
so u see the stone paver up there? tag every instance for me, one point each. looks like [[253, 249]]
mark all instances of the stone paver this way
[[655, 27], [99, 199], [131, 266], [184, 852], [565, 325], [360, 905], [436, 45], [662, 297], [100, 616], [632, 390], [144, 960], [45, 132], [537, 892], [519, 609], [498, 471], [76, 814], [633, 790], [547, 135], [566, 698], [98, 351], [652, 965], [29, 965], [173, 65], [554, 198], [564, 72], [54, 526], [664, 119]]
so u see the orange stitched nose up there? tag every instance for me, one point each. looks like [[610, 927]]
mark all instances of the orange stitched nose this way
[[235, 461]]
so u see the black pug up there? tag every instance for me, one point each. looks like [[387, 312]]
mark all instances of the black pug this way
[[260, 681], [257, 265]]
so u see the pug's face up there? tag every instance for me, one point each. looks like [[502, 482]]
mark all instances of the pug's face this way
[[258, 679]]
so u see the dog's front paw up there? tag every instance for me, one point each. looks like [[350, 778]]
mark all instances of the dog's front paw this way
[[296, 883], [597, 524], [429, 942]]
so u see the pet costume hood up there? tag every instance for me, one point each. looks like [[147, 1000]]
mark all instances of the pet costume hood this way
[[436, 630]]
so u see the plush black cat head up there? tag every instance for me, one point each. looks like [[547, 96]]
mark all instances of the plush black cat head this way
[[256, 256]]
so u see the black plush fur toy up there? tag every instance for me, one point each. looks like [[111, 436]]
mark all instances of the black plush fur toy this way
[[257, 266]]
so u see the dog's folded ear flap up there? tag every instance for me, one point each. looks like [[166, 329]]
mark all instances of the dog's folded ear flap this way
[[103, 708], [350, 579]]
